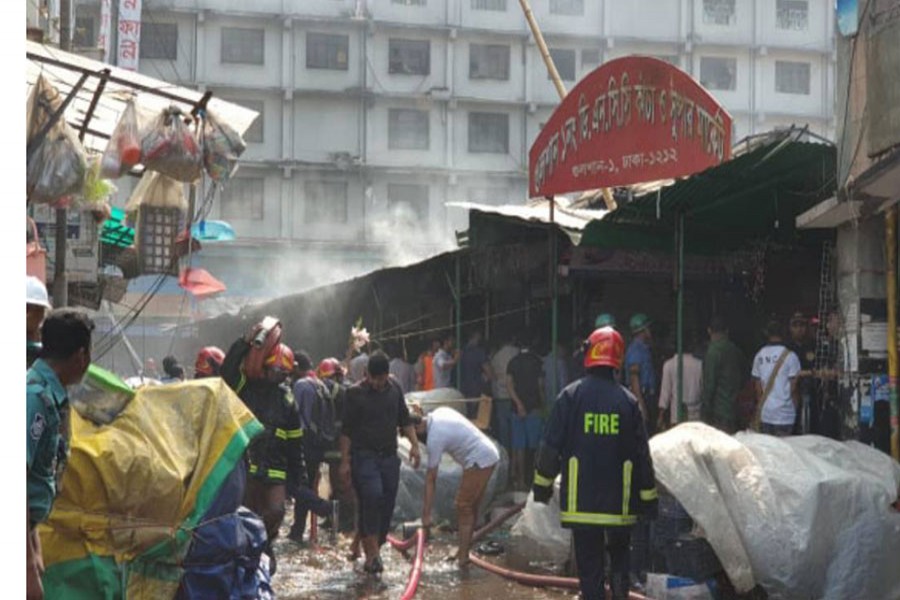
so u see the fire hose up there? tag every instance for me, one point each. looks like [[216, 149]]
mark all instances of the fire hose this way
[[416, 572]]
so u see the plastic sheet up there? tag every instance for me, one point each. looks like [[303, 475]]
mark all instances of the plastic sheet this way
[[412, 485], [538, 535], [804, 517]]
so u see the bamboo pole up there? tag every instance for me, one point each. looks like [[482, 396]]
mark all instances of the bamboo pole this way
[[890, 235], [554, 76]]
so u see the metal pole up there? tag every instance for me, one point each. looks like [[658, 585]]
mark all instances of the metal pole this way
[[60, 282], [459, 342], [890, 235], [554, 294], [679, 406]]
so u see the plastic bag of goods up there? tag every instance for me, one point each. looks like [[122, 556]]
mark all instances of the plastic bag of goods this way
[[155, 189], [537, 534], [96, 189], [56, 164], [124, 148], [101, 396], [169, 147], [222, 146]]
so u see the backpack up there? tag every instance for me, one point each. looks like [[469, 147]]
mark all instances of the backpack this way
[[323, 417]]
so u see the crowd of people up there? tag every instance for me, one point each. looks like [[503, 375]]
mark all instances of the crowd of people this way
[[586, 408]]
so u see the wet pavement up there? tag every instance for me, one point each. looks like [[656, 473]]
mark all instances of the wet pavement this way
[[307, 573]]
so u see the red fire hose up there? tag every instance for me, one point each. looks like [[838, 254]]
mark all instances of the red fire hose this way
[[402, 545], [536, 580], [413, 582], [513, 510]]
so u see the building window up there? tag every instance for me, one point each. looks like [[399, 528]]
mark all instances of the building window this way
[[410, 2], [590, 58], [159, 41], [792, 77], [572, 8], [85, 34], [792, 15], [243, 45], [409, 57], [717, 73], [254, 133], [325, 202], [489, 132], [327, 51], [719, 12], [242, 198], [564, 60], [407, 129], [488, 61], [408, 202], [499, 5]]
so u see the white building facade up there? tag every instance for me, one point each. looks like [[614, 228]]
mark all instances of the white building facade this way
[[374, 113]]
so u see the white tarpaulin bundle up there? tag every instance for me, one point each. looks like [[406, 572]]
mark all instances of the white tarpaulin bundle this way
[[804, 517]]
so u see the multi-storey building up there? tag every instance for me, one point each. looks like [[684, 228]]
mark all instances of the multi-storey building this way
[[374, 113]]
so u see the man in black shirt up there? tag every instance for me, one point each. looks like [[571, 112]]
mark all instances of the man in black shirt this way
[[808, 412], [373, 411], [525, 382]]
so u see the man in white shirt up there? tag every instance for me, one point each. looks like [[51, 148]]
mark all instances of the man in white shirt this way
[[401, 370], [444, 363], [668, 394], [446, 430], [775, 370]]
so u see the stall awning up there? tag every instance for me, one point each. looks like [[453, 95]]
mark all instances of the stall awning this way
[[64, 69]]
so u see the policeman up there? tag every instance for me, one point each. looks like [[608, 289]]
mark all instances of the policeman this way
[[64, 358], [37, 303], [276, 455], [597, 439]]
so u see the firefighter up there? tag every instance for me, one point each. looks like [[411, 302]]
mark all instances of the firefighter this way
[[209, 362], [597, 439], [276, 455]]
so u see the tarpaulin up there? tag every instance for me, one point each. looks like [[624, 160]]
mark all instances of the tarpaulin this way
[[134, 490]]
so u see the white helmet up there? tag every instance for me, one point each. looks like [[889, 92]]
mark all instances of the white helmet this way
[[36, 292]]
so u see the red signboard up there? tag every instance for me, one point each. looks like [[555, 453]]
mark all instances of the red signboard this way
[[633, 119]]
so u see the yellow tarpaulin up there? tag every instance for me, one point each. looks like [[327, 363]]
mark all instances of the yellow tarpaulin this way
[[133, 490]]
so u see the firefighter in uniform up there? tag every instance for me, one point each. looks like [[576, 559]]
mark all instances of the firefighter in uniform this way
[[276, 455], [597, 439]]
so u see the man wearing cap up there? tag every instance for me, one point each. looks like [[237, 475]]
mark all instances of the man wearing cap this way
[[639, 373], [37, 303], [65, 356], [807, 420]]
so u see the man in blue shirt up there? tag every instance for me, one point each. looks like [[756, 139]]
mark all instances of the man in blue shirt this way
[[640, 377], [65, 356]]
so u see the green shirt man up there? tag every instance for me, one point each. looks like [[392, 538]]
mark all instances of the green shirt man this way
[[722, 378]]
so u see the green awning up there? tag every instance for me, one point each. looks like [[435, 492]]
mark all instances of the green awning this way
[[756, 195], [115, 232]]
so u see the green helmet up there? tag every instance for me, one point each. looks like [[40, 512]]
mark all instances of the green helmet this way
[[604, 320], [639, 322]]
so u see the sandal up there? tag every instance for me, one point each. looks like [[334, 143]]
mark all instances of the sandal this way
[[376, 568]]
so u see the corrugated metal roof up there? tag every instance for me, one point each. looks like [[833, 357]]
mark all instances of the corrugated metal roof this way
[[112, 101]]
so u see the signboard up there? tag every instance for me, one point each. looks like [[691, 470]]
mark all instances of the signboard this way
[[633, 119], [128, 47], [104, 39]]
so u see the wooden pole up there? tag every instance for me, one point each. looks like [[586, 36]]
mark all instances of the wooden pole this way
[[890, 235]]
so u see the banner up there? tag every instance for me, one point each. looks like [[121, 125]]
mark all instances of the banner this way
[[633, 119], [128, 49], [104, 39]]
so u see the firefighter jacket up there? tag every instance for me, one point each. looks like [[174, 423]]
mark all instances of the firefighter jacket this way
[[276, 455], [596, 437]]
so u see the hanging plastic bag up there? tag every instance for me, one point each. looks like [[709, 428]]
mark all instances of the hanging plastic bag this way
[[222, 146], [56, 163], [96, 189], [169, 147], [124, 148]]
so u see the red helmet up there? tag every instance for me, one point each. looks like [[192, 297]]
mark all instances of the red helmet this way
[[209, 361], [605, 348], [329, 367], [281, 357]]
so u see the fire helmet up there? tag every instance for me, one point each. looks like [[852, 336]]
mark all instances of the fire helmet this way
[[281, 357], [329, 367], [605, 348], [209, 361]]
